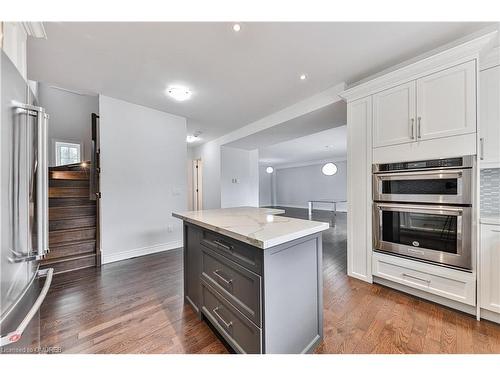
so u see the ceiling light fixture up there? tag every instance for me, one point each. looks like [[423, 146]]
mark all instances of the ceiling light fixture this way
[[269, 170], [236, 27], [303, 77], [192, 138], [329, 169], [179, 93]]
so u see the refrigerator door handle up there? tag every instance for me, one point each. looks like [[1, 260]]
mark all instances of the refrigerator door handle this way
[[16, 335], [42, 183]]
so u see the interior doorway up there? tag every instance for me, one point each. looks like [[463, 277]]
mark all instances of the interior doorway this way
[[197, 189]]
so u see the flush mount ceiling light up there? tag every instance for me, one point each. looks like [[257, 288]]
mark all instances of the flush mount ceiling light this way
[[269, 170], [329, 169], [303, 77], [236, 27], [179, 93]]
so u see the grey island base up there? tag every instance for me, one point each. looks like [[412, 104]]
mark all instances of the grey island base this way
[[256, 277]]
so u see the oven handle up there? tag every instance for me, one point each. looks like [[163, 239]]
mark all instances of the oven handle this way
[[417, 175], [456, 211]]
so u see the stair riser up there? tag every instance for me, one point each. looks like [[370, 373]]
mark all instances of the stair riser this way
[[71, 250], [58, 213], [69, 183], [79, 222], [66, 202], [76, 235]]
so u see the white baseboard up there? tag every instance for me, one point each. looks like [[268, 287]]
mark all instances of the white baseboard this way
[[127, 254], [314, 208]]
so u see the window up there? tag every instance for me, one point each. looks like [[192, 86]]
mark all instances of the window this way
[[67, 153]]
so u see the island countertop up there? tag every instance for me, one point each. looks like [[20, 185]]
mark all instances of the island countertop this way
[[259, 227]]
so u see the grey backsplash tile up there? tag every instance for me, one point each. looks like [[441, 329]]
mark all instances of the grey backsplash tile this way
[[490, 192]]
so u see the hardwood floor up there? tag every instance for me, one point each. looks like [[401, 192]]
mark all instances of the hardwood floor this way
[[136, 306]]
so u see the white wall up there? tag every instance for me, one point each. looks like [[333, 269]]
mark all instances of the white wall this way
[[143, 159], [241, 166], [296, 185], [265, 187], [69, 118]]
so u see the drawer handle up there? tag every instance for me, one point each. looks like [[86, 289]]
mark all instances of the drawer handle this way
[[215, 311], [416, 278], [216, 273], [223, 245]]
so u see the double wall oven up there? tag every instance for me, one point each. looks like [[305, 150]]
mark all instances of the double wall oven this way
[[423, 210]]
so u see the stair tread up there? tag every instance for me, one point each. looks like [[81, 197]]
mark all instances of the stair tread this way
[[72, 229]]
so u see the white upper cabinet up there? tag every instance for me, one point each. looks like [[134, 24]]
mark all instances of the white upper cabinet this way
[[446, 102], [490, 266], [394, 115], [489, 141]]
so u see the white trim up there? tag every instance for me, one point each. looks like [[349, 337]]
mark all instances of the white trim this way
[[433, 61], [116, 256], [490, 315], [490, 60], [35, 29]]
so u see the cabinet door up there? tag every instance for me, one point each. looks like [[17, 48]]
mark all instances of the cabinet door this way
[[490, 266], [446, 102], [489, 104], [394, 115]]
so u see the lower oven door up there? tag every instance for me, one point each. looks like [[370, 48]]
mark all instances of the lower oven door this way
[[440, 234]]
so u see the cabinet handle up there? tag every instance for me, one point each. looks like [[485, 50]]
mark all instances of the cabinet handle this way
[[215, 311], [419, 127], [227, 281], [481, 148], [223, 245], [412, 129], [416, 278]]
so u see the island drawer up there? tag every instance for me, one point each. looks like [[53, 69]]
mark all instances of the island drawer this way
[[236, 329], [238, 285], [248, 256]]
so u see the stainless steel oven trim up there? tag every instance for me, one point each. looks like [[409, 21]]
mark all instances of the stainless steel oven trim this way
[[467, 162], [463, 257], [464, 188]]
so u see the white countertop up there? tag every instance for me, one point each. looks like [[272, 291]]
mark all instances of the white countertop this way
[[256, 226], [493, 219]]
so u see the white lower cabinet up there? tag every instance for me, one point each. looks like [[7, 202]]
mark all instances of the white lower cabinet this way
[[445, 282], [490, 267]]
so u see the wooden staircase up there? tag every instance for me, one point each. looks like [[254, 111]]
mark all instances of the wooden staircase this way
[[72, 220]]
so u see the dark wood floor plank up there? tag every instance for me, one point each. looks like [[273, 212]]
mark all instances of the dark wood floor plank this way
[[136, 306]]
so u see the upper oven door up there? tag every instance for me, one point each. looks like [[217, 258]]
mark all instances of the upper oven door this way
[[439, 234], [432, 186]]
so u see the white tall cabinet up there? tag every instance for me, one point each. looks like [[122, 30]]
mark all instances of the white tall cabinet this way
[[426, 109]]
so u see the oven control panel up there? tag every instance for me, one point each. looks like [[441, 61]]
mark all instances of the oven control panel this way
[[460, 162]]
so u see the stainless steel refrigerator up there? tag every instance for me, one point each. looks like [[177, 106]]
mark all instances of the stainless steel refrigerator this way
[[24, 212]]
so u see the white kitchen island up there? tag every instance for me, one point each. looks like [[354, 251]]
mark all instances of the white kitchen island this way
[[256, 277]]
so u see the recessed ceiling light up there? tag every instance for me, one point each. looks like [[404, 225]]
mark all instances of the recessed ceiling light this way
[[179, 93], [192, 138], [236, 27], [269, 170], [303, 77]]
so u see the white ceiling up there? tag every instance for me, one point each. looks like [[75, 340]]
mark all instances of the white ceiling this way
[[309, 148], [236, 78]]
